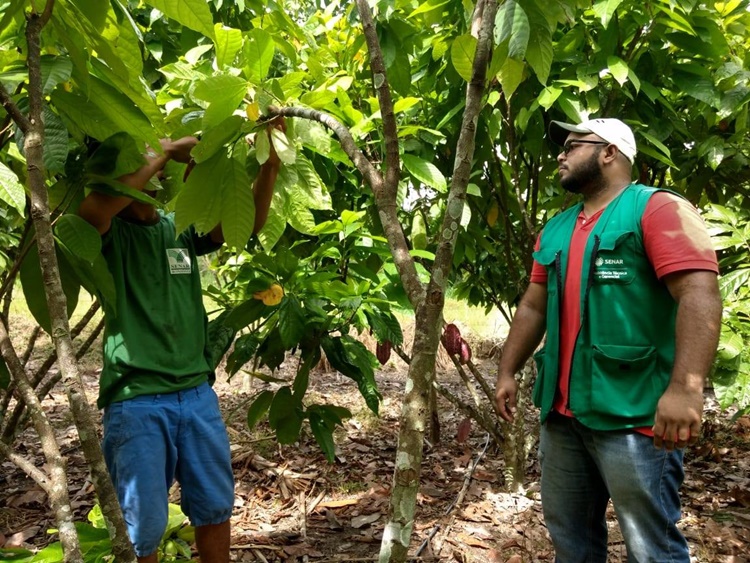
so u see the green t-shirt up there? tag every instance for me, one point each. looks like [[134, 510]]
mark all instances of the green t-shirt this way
[[155, 342]]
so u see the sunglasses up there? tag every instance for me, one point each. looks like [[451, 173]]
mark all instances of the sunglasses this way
[[570, 145]]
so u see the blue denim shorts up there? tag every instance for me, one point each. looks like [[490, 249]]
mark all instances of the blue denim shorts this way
[[150, 441]]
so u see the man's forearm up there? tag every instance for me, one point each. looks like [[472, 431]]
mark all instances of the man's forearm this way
[[698, 326], [526, 330]]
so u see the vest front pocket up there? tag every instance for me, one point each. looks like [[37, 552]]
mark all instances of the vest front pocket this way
[[624, 381]]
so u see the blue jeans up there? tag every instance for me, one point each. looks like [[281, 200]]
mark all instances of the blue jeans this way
[[583, 468], [151, 440]]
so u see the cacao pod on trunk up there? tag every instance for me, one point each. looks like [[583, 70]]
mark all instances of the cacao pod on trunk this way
[[451, 339]]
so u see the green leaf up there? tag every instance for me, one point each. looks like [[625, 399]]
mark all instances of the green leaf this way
[[311, 189], [79, 237], [116, 156], [121, 111], [228, 42], [55, 141], [259, 50], [95, 278], [619, 69], [34, 288], [291, 322], [385, 326], [425, 172], [262, 146], [259, 408], [511, 75], [323, 435], [512, 24], [605, 9], [193, 14], [54, 71], [215, 138], [462, 55], [712, 149], [283, 416], [237, 205], [540, 54], [351, 358], [548, 96], [11, 190], [80, 113], [224, 92], [285, 150], [116, 189], [199, 202], [245, 314]]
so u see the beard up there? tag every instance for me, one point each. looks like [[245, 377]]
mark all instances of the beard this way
[[587, 178]]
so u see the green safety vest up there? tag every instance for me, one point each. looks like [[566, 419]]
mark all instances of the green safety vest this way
[[624, 351]]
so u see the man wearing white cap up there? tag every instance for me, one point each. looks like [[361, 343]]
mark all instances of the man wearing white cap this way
[[624, 286]]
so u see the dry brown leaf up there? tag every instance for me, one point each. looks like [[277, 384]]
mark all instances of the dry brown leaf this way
[[338, 503], [359, 521]]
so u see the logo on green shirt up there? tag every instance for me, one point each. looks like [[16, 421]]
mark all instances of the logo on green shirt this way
[[179, 261]]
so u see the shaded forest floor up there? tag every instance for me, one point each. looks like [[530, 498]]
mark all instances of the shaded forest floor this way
[[292, 505]]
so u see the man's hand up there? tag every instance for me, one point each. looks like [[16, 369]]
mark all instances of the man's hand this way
[[179, 150], [506, 389], [678, 417]]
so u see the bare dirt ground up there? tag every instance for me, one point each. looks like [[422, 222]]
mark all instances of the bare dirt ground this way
[[292, 505]]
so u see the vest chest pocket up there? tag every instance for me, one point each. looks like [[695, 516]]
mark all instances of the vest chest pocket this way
[[615, 260]]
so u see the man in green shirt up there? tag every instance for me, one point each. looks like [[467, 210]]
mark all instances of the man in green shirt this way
[[161, 417]]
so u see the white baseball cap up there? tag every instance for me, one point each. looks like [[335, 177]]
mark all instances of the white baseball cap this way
[[611, 130]]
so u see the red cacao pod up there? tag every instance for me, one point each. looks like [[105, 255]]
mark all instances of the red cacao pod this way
[[465, 354], [451, 339], [383, 351]]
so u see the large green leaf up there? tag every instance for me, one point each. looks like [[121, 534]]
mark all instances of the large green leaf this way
[[291, 321], [121, 111], [285, 149], [199, 202], [54, 71], [194, 14], [605, 9], [79, 237], [284, 416], [511, 75], [512, 25], [80, 114], [95, 278], [323, 435], [34, 288], [351, 358], [425, 172], [276, 222], [462, 55], [11, 190], [540, 54], [237, 204], [116, 156], [216, 138], [619, 69], [245, 314], [228, 42], [259, 408], [312, 190], [258, 51], [224, 92]]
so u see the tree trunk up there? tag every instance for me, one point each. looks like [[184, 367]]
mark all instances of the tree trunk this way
[[34, 141]]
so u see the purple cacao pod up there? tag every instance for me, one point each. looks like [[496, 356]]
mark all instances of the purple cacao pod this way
[[383, 351], [451, 339]]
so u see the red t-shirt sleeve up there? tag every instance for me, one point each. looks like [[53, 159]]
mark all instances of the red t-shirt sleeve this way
[[538, 272], [675, 236]]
